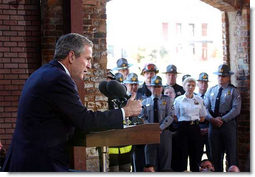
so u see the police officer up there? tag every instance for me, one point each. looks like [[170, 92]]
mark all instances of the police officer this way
[[185, 76], [171, 75], [148, 72], [189, 110], [158, 108], [123, 67], [132, 84], [202, 84], [223, 103]]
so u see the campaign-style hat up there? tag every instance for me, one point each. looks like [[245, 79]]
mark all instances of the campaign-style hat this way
[[185, 76], [149, 67], [156, 81], [132, 78], [223, 70], [203, 77], [119, 77], [110, 75], [171, 69], [122, 63]]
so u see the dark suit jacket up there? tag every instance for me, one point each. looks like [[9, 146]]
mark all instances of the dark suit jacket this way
[[49, 109]]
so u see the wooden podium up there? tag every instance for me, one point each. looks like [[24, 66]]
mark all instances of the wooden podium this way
[[131, 135]]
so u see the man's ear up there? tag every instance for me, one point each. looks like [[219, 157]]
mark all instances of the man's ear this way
[[71, 56]]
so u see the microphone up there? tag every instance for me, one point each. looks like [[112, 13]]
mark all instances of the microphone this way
[[102, 88], [116, 89]]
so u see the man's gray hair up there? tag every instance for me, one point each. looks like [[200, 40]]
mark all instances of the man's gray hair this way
[[70, 42]]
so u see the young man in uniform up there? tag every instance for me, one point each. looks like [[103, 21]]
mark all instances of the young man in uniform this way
[[202, 84], [158, 108]]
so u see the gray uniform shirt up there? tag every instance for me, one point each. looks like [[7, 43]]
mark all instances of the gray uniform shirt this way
[[230, 102], [166, 111]]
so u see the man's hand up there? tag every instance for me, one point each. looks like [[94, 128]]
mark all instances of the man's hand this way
[[133, 107], [217, 122]]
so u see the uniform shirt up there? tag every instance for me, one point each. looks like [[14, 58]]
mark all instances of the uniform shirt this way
[[138, 96], [165, 110], [178, 90], [189, 109], [205, 123], [200, 94], [230, 102]]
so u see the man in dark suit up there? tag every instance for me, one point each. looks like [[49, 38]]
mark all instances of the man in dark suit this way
[[50, 109]]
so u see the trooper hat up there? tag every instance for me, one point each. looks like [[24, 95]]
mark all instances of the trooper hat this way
[[149, 67], [132, 78], [156, 81], [203, 77], [185, 76], [171, 69], [223, 70], [122, 63], [119, 77]]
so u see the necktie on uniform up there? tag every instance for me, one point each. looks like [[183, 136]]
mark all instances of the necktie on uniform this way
[[202, 96], [155, 107], [217, 103]]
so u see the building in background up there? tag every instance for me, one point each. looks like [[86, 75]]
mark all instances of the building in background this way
[[189, 37]]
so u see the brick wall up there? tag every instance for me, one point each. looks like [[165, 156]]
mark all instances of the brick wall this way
[[19, 57], [241, 60], [51, 26], [94, 27]]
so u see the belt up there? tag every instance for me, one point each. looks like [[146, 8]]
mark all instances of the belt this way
[[193, 122], [219, 114]]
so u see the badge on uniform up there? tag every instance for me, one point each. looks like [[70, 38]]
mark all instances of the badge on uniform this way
[[164, 102], [179, 93], [196, 102], [229, 92]]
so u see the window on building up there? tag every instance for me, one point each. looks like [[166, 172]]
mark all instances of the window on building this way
[[165, 31], [110, 50], [178, 28], [204, 51], [204, 29], [124, 53], [178, 49], [191, 29], [192, 50]]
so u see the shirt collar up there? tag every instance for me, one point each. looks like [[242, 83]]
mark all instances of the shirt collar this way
[[185, 98], [67, 72], [157, 97]]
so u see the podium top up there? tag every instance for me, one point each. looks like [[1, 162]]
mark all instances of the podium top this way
[[130, 135]]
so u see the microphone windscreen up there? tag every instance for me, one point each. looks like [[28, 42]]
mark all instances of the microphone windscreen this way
[[116, 89], [102, 88]]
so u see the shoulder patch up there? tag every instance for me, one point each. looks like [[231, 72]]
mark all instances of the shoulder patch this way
[[179, 93]]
